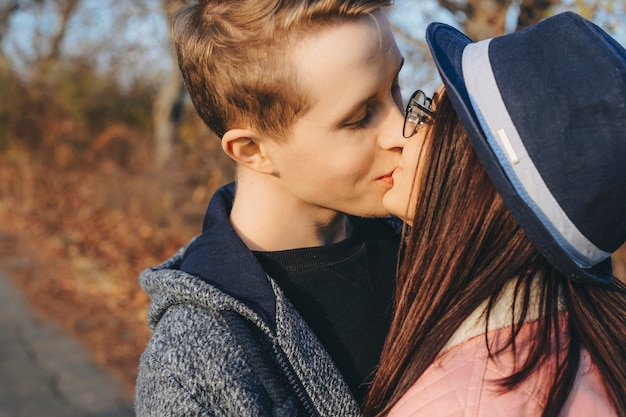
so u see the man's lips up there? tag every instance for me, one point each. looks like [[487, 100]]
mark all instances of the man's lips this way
[[387, 178]]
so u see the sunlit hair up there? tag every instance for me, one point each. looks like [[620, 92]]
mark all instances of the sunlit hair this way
[[232, 55], [464, 248]]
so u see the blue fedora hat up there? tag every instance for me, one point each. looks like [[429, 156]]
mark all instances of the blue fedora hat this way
[[545, 109]]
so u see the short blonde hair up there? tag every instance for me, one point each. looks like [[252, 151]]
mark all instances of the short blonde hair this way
[[232, 56]]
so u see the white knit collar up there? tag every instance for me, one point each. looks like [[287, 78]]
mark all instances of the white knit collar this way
[[500, 317]]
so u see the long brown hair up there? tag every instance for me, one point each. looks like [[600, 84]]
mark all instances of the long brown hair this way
[[463, 249]]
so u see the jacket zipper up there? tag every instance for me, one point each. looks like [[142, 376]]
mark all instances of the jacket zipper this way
[[295, 382]]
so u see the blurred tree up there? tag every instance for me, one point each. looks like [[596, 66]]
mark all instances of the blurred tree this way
[[481, 19], [532, 11], [167, 114], [6, 9], [66, 9], [168, 106], [66, 85], [51, 51]]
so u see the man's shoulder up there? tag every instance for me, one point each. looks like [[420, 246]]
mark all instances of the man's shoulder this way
[[187, 331], [190, 332], [195, 356]]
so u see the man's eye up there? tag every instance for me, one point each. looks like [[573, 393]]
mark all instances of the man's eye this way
[[362, 123]]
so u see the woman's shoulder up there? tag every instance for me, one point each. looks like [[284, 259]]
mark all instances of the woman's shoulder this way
[[463, 382], [449, 386]]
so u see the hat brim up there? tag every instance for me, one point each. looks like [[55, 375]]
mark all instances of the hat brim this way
[[447, 45]]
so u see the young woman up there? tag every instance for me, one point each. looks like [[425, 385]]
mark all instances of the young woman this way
[[514, 183]]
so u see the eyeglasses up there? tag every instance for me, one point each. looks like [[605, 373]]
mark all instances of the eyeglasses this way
[[418, 111]]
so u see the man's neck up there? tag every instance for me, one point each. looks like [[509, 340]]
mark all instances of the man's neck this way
[[267, 218]]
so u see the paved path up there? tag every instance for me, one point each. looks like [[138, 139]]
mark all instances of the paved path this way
[[44, 373]]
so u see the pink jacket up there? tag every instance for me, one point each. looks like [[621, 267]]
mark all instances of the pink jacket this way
[[459, 383]]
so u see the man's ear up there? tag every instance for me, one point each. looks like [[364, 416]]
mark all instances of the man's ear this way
[[244, 147]]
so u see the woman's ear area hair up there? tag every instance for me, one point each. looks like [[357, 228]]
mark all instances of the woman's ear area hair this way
[[246, 148], [437, 96]]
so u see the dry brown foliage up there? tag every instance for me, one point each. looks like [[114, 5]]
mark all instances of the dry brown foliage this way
[[77, 229]]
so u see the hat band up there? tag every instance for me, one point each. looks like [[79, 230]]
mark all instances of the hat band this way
[[508, 147]]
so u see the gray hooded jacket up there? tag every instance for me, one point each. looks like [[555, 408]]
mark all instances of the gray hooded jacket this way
[[213, 353]]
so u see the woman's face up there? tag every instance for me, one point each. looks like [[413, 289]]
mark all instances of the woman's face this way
[[401, 199]]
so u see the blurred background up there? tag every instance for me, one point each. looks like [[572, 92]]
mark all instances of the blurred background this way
[[105, 169]]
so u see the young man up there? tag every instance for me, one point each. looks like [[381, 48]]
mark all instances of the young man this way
[[281, 305]]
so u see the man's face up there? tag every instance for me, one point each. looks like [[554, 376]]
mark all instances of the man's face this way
[[344, 147]]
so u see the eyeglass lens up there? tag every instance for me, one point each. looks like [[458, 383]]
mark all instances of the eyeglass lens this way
[[417, 111]]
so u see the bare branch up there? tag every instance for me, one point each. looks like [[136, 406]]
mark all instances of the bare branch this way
[[55, 46], [455, 6], [532, 11]]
